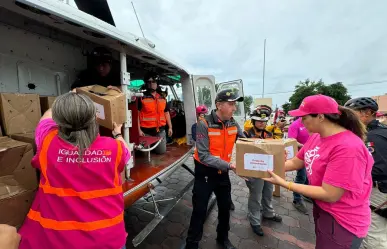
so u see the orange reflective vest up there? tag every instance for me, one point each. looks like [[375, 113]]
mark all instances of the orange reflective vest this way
[[152, 113], [45, 160], [221, 138]]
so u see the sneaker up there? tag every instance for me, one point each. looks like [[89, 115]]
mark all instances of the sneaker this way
[[300, 206], [226, 244], [257, 229]]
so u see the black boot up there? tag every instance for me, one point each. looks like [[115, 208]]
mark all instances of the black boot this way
[[257, 229], [226, 244], [189, 246]]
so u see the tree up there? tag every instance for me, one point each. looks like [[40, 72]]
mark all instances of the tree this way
[[306, 88], [247, 102], [286, 107]]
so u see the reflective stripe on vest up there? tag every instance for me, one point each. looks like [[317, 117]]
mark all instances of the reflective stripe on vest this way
[[152, 114], [48, 189], [69, 192], [74, 225], [221, 141]]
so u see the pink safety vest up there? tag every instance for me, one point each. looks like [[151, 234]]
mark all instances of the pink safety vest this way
[[77, 205]]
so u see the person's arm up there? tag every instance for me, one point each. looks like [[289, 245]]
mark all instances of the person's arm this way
[[326, 192], [193, 132], [378, 144], [126, 149], [345, 171], [294, 164], [168, 118], [139, 107], [202, 145]]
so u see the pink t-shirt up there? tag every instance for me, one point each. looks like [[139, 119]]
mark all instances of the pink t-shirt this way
[[298, 131], [342, 160]]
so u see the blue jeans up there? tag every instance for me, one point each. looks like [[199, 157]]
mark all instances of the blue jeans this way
[[301, 179]]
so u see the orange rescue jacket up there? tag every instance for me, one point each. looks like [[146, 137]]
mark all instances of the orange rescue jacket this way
[[221, 138], [152, 113]]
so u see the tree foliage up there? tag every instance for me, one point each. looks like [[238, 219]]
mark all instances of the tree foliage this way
[[306, 88], [247, 102]]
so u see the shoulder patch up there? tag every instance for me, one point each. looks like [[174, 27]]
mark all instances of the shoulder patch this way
[[370, 147]]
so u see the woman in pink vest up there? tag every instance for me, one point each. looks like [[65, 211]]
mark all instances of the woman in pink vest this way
[[338, 166], [79, 203]]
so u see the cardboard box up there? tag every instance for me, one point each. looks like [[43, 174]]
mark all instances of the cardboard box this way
[[14, 209], [15, 165], [110, 104], [20, 113], [18, 180], [255, 156], [27, 138], [46, 103]]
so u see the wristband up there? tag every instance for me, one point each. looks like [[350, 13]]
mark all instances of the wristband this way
[[290, 186]]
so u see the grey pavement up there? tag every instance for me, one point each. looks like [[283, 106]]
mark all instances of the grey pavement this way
[[296, 231]]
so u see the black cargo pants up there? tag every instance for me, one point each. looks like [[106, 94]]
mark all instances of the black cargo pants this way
[[208, 181]]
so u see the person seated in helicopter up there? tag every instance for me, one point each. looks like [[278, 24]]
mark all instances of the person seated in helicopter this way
[[101, 72]]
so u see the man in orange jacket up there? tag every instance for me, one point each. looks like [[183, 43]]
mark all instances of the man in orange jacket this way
[[154, 113], [216, 134]]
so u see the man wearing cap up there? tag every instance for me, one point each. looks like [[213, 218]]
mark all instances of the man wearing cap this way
[[100, 73], [216, 134], [154, 116], [366, 108]]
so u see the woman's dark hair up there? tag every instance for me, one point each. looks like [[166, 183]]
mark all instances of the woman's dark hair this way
[[349, 120]]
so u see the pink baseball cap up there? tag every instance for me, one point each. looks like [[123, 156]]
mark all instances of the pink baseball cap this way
[[316, 104]]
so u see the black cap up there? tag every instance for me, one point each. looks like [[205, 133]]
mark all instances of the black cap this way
[[228, 96], [151, 75], [101, 54]]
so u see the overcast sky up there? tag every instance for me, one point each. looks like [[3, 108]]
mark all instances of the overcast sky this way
[[334, 40]]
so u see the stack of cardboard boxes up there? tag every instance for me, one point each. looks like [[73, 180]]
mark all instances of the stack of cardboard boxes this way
[[20, 114]]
